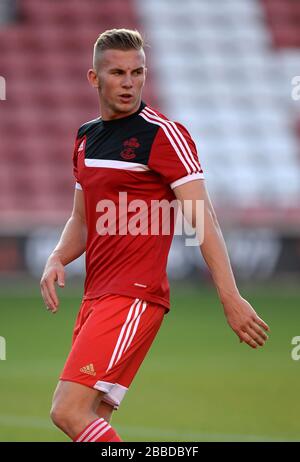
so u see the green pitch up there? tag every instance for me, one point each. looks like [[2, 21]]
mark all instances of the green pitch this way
[[198, 382]]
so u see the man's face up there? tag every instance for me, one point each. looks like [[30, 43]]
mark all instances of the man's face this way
[[121, 77]]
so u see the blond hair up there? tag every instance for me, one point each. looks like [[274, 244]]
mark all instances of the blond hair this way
[[117, 39]]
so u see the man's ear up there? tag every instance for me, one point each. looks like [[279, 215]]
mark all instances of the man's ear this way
[[93, 78]]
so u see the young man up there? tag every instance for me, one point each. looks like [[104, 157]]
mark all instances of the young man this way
[[135, 153]]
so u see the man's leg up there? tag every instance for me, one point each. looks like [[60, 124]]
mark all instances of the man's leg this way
[[105, 410], [74, 411]]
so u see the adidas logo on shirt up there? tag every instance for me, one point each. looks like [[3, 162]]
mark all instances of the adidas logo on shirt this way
[[89, 369]]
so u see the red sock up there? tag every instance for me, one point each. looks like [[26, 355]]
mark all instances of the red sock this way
[[97, 431]]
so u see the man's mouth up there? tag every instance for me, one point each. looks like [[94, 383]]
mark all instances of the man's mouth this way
[[125, 97]]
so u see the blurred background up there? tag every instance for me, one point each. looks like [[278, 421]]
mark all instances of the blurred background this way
[[226, 70]]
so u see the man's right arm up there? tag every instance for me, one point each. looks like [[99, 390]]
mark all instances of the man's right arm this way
[[71, 245]]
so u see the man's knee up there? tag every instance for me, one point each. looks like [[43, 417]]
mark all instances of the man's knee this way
[[63, 417], [73, 407], [57, 416]]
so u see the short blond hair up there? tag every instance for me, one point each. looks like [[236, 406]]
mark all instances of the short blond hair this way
[[117, 39]]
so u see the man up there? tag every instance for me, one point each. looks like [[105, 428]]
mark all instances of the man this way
[[135, 152]]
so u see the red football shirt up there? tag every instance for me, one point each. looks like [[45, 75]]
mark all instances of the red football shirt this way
[[122, 166]]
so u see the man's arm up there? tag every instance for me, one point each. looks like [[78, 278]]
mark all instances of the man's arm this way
[[71, 245], [239, 313]]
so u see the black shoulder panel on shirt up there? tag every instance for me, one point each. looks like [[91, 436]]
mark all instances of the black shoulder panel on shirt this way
[[128, 139], [87, 126]]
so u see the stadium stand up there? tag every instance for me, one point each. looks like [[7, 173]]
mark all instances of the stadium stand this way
[[284, 21], [8, 11], [227, 75], [44, 58], [224, 72]]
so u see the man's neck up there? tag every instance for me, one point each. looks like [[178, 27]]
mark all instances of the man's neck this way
[[107, 114]]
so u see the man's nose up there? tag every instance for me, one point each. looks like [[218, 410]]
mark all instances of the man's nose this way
[[127, 81]]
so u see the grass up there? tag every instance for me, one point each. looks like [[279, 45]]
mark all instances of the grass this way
[[198, 383]]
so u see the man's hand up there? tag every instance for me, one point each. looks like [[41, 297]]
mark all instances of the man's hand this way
[[244, 321], [53, 272]]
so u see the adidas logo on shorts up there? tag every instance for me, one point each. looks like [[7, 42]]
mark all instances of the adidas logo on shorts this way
[[89, 369]]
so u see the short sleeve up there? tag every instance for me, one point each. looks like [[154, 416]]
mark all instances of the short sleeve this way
[[174, 155]]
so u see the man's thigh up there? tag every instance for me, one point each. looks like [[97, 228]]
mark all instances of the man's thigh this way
[[71, 395]]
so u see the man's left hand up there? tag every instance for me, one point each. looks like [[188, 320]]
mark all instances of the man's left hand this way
[[245, 322]]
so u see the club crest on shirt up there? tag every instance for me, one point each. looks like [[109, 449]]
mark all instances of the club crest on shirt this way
[[130, 145]]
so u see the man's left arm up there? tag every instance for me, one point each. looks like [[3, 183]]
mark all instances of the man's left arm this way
[[240, 315]]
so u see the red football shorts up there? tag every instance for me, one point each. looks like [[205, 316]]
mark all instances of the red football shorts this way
[[112, 336]]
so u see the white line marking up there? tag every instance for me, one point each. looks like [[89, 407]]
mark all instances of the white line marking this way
[[144, 432]]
